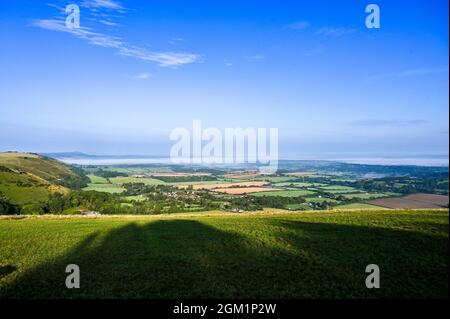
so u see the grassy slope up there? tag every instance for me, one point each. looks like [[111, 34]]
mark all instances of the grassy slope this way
[[278, 255], [32, 177], [45, 168]]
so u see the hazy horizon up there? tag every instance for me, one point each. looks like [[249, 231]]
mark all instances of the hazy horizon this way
[[137, 70]]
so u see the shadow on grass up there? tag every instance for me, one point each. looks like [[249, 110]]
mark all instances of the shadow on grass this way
[[188, 259]]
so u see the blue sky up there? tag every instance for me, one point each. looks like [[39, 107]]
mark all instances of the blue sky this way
[[137, 69]]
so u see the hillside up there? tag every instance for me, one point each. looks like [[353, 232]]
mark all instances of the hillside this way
[[29, 178], [255, 255]]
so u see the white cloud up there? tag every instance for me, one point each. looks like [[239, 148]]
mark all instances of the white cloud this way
[[299, 25], [175, 40], [335, 32], [424, 71], [258, 57], [105, 4], [143, 76], [108, 23], [388, 122], [165, 59], [411, 73]]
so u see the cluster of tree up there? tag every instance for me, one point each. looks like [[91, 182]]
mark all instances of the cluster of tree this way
[[58, 203], [6, 207], [109, 174], [250, 203], [78, 180], [133, 189], [435, 184]]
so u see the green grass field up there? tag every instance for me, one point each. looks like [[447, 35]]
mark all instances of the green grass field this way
[[97, 179], [261, 255], [369, 195], [297, 207], [297, 184], [357, 206], [106, 188], [146, 180], [286, 193]]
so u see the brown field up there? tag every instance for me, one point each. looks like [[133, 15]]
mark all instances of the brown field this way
[[300, 174], [226, 185], [245, 190], [412, 201]]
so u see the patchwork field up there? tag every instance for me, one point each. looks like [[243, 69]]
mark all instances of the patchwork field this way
[[256, 255], [300, 174], [413, 201], [297, 184], [216, 185], [245, 190], [285, 193], [363, 196], [144, 180]]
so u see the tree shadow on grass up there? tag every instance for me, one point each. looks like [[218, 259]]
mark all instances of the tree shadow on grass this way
[[188, 259], [412, 264], [6, 270]]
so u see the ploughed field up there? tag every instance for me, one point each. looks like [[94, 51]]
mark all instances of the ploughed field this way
[[256, 255]]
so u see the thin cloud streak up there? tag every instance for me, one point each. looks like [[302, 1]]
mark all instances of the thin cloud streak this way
[[105, 4], [424, 71], [412, 73], [164, 59], [334, 32], [299, 25], [393, 122]]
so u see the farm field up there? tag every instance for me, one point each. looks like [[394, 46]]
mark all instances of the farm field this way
[[284, 193], [97, 179], [225, 255], [300, 174], [106, 188], [144, 180], [297, 207], [363, 196], [297, 184], [336, 189], [245, 190], [216, 185], [413, 201], [356, 206]]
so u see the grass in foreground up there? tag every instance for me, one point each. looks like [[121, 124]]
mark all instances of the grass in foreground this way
[[267, 255]]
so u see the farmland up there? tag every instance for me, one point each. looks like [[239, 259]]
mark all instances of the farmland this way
[[225, 255], [412, 201], [160, 189], [285, 193]]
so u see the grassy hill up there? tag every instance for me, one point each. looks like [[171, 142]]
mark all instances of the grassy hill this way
[[29, 178], [256, 255]]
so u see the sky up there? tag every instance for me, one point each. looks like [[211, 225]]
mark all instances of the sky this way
[[135, 70]]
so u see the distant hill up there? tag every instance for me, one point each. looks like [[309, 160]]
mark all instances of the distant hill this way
[[28, 178]]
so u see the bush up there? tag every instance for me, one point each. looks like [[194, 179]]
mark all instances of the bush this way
[[32, 209]]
